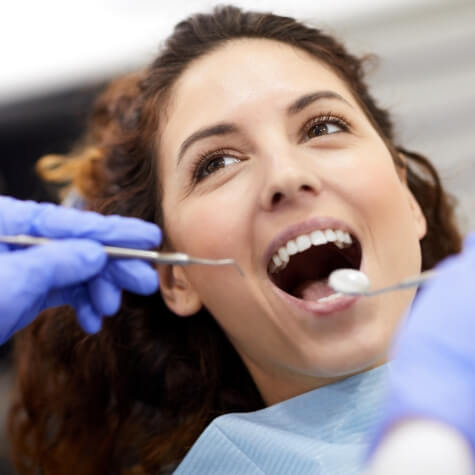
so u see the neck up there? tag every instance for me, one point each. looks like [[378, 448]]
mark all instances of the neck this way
[[275, 388]]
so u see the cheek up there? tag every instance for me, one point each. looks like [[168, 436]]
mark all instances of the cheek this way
[[391, 225], [373, 186], [384, 202], [373, 175], [377, 195], [208, 228], [215, 234]]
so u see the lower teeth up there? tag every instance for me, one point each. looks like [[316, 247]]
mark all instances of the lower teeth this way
[[331, 297]]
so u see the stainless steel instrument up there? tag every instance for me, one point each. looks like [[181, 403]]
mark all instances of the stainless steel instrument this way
[[174, 258]]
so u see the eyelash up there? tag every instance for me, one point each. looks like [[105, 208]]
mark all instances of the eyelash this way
[[328, 117], [205, 158]]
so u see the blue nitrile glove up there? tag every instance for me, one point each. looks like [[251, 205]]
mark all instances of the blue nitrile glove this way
[[76, 270], [433, 372]]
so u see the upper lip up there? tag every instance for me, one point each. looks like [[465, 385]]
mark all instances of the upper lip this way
[[314, 224]]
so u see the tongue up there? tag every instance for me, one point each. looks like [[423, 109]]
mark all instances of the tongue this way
[[313, 290]]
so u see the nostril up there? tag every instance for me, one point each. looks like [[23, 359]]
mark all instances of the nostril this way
[[277, 198]]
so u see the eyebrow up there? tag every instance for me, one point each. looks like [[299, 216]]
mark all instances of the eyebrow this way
[[225, 128], [217, 129], [308, 99]]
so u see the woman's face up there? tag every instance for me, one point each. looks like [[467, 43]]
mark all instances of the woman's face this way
[[263, 151]]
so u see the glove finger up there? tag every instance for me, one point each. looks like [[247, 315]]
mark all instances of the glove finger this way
[[23, 320], [133, 275], [58, 297], [105, 295], [16, 215], [59, 264], [127, 232], [88, 318], [28, 276], [59, 222]]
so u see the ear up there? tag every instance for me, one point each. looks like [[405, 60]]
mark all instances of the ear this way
[[177, 291], [418, 215]]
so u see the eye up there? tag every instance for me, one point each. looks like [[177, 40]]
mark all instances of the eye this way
[[211, 164], [325, 125], [323, 129]]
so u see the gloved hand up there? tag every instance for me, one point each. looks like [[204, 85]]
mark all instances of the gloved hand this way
[[76, 270], [433, 373]]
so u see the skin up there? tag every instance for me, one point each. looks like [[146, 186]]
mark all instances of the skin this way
[[278, 174]]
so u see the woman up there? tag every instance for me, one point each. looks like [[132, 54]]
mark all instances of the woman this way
[[251, 136]]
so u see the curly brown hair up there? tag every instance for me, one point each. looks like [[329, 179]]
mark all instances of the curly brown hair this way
[[134, 397]]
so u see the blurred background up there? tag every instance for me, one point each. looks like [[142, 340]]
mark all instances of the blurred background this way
[[55, 55]]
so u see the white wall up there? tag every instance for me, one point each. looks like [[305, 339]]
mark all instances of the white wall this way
[[46, 44]]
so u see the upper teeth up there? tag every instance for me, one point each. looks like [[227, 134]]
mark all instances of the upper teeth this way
[[305, 241]]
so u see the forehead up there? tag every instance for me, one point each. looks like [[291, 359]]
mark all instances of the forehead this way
[[242, 77]]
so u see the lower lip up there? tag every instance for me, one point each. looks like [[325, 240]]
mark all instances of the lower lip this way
[[318, 309]]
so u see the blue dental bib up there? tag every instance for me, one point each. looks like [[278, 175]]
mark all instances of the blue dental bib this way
[[324, 432]]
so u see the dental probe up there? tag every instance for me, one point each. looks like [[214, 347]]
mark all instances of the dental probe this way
[[356, 283], [174, 258]]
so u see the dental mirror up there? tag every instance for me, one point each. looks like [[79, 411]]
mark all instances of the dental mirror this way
[[356, 283], [349, 281]]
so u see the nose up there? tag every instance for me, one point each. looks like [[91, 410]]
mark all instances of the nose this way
[[289, 183]]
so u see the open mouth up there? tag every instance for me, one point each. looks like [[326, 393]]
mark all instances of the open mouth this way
[[301, 266]]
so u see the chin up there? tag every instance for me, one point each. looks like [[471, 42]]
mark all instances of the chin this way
[[348, 357]]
